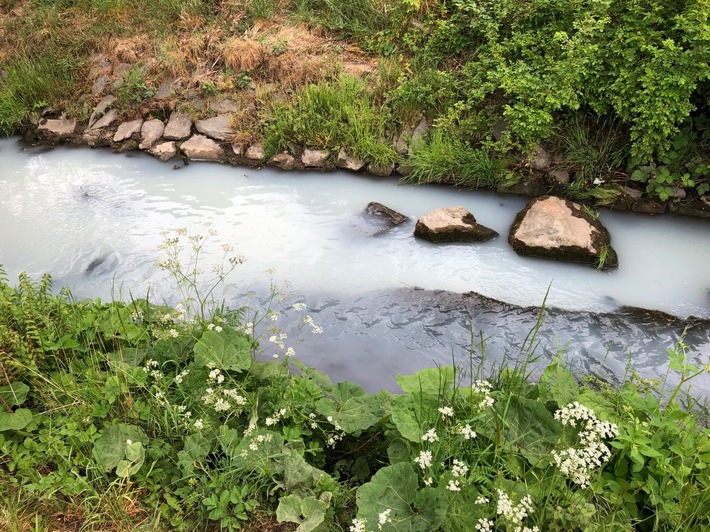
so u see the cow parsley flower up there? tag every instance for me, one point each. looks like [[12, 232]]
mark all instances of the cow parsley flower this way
[[424, 459], [430, 436]]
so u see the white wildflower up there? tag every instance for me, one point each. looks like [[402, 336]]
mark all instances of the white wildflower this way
[[459, 469], [514, 513], [430, 436], [221, 405], [383, 518], [424, 459], [446, 411], [453, 485], [129, 442], [314, 328], [300, 307], [358, 525], [199, 425], [428, 481], [468, 432], [484, 525], [218, 328], [482, 500]]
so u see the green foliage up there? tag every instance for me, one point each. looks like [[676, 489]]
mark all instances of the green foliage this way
[[176, 407], [331, 115], [443, 159], [134, 89]]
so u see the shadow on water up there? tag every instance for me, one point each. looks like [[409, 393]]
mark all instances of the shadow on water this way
[[371, 338]]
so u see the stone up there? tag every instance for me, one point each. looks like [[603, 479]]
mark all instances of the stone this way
[[678, 192], [382, 211], [164, 151], [100, 109], [178, 127], [401, 144], [560, 177], [529, 188], [255, 152], [498, 129], [60, 127], [218, 127], [381, 170], [540, 159], [201, 148], [314, 158], [283, 160], [166, 89], [99, 85], [418, 134], [403, 169], [556, 228], [106, 120], [632, 192], [224, 106], [648, 206], [452, 224], [151, 132], [347, 162], [238, 149], [127, 130]]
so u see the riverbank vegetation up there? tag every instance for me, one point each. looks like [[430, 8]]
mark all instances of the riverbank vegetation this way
[[138, 416], [616, 93]]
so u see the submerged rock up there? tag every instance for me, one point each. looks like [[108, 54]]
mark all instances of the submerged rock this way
[[555, 228], [384, 212], [452, 224]]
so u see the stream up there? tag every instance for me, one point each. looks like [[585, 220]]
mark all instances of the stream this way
[[388, 303]]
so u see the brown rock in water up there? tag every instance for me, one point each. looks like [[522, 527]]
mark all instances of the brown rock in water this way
[[60, 127], [255, 152], [555, 228], [392, 216], [164, 151], [452, 224]]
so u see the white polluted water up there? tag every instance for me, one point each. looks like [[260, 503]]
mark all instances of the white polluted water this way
[[93, 219]]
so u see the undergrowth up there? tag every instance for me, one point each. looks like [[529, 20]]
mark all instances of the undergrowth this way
[[133, 415]]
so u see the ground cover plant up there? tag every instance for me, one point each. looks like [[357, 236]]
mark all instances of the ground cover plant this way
[[618, 91], [138, 416]]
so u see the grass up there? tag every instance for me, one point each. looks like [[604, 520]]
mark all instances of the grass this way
[[442, 159], [331, 115]]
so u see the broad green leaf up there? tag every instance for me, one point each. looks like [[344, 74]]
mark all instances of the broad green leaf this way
[[130, 357], [413, 414], [16, 420], [559, 385], [227, 350], [397, 451], [135, 456], [396, 488], [14, 394], [307, 513], [110, 447], [530, 427], [268, 371], [352, 409], [195, 450], [433, 381]]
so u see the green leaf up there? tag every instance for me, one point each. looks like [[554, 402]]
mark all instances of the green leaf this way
[[16, 420], [432, 381], [352, 409], [268, 371], [227, 350], [396, 488], [129, 357], [195, 450], [307, 513], [640, 175], [530, 427], [110, 447], [559, 385], [14, 394]]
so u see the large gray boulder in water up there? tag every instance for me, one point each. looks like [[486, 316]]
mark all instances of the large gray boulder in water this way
[[452, 224], [556, 228]]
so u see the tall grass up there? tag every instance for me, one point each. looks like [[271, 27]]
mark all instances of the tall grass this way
[[443, 159], [332, 115]]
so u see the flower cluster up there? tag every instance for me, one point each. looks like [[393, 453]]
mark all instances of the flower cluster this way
[[315, 329], [424, 459], [383, 518], [430, 436], [467, 432], [152, 368], [515, 513], [577, 464], [358, 525], [484, 389], [275, 418]]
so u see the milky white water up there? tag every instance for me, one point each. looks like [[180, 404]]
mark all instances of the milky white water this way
[[62, 210]]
